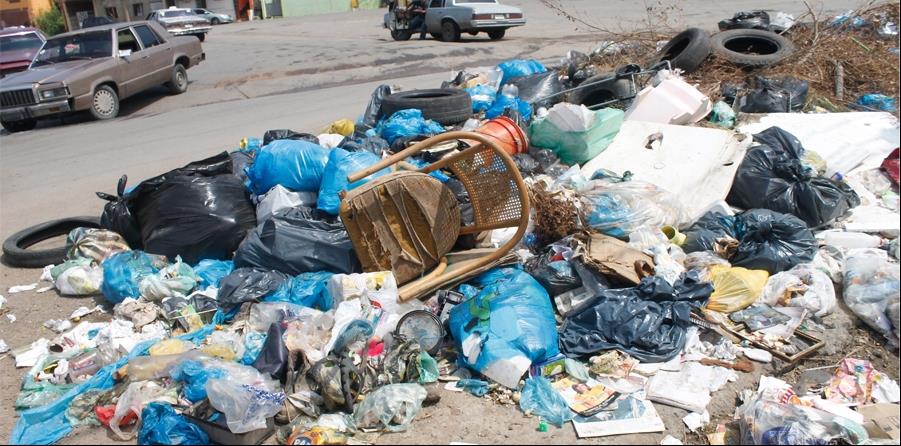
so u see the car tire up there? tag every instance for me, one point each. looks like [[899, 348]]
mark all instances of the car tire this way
[[496, 34], [450, 32], [751, 47], [447, 106], [686, 51], [19, 126], [104, 103], [178, 82], [215, 21], [600, 89], [401, 35], [15, 248], [201, 36]]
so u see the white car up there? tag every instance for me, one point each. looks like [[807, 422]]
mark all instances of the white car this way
[[215, 18]]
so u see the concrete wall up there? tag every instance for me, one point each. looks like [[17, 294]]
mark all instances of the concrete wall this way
[[15, 13], [295, 8]]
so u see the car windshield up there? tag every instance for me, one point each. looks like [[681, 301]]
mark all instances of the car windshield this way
[[20, 42], [89, 45], [176, 13]]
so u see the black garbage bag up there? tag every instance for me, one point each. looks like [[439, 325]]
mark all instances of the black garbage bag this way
[[773, 177], [647, 321], [200, 211], [361, 143], [746, 20], [766, 240], [240, 160], [274, 135], [273, 358], [557, 277], [526, 164], [248, 285], [541, 89], [371, 115], [775, 95], [298, 240]]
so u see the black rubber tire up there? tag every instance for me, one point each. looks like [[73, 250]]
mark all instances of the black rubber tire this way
[[743, 47], [19, 126], [401, 35], [102, 115], [497, 34], [15, 248], [215, 21], [450, 32], [447, 106], [600, 89], [201, 36], [686, 51], [178, 85]]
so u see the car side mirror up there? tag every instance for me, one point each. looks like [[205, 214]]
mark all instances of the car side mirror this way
[[124, 53]]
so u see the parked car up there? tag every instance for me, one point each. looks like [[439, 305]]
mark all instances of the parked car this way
[[18, 47], [446, 19], [215, 18], [93, 69], [91, 22], [181, 22]]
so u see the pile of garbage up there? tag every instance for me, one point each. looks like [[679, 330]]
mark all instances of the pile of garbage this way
[[616, 259]]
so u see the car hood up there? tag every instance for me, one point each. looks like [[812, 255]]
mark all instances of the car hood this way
[[491, 8], [17, 56], [46, 74]]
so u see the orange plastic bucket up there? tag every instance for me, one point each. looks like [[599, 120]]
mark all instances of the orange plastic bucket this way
[[507, 134]]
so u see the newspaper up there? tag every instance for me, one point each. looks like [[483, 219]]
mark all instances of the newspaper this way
[[630, 414], [584, 398]]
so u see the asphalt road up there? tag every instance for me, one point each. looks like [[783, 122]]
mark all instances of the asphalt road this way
[[300, 73]]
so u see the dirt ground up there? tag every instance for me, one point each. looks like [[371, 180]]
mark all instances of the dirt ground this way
[[457, 417]]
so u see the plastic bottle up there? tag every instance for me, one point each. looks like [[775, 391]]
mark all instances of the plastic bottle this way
[[852, 240]]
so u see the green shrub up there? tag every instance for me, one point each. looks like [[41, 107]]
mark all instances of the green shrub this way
[[51, 21]]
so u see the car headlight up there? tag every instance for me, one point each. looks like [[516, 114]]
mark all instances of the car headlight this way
[[54, 93]]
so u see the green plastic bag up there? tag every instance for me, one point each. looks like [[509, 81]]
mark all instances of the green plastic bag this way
[[428, 368], [578, 147]]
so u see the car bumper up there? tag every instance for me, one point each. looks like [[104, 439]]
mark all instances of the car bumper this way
[[500, 23], [189, 31], [35, 111]]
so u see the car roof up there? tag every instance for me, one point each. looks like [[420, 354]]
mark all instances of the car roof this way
[[15, 30], [106, 27]]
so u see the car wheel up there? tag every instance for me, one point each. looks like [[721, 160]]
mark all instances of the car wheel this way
[[401, 34], [19, 126], [496, 34], [450, 32], [179, 82], [215, 21], [105, 103], [202, 37]]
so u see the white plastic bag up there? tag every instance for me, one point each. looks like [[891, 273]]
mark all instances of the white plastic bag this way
[[872, 288], [135, 397], [280, 198], [390, 407], [263, 314], [245, 407], [803, 286], [81, 280]]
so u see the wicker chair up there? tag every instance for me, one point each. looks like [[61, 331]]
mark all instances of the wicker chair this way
[[497, 193]]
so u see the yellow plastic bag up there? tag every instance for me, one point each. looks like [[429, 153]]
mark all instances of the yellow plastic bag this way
[[170, 347], [343, 127], [735, 288]]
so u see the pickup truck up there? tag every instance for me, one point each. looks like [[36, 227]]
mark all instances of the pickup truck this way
[[93, 69], [446, 19], [182, 22]]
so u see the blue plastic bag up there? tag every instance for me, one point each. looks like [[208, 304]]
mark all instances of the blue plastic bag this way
[[476, 387], [504, 102], [122, 273], [519, 67], [512, 319], [539, 398], [295, 164], [211, 272], [307, 289], [253, 345], [409, 122], [874, 102], [194, 376], [342, 163], [161, 425], [482, 97]]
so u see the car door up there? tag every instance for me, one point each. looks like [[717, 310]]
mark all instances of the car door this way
[[132, 72], [156, 54], [433, 15]]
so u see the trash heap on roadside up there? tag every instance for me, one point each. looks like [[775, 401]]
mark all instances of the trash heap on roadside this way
[[614, 256]]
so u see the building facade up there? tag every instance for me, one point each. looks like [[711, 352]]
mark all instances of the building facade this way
[[21, 12], [297, 8], [126, 10]]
